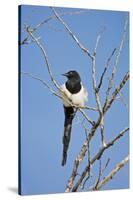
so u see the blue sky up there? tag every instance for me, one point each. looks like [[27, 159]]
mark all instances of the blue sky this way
[[42, 116]]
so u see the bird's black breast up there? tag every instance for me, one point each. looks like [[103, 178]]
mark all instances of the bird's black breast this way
[[73, 86]]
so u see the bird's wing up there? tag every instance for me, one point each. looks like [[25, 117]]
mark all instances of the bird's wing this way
[[64, 94]]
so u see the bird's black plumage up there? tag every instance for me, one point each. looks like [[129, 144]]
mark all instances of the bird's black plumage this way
[[73, 85], [69, 115]]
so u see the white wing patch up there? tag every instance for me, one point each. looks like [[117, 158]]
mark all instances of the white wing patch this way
[[78, 99]]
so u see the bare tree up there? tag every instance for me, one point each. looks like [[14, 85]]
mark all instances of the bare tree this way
[[78, 179]]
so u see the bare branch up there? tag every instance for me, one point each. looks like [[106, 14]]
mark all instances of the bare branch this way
[[61, 14], [84, 182], [45, 21], [116, 62], [89, 158], [106, 164], [96, 45], [86, 117], [88, 147], [90, 108], [116, 92], [43, 82], [112, 173], [94, 76], [122, 98], [99, 175], [120, 47], [98, 156], [102, 131], [45, 57], [95, 86], [85, 50], [105, 69], [101, 171], [96, 91]]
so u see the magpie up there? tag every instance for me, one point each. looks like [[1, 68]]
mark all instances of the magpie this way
[[77, 94]]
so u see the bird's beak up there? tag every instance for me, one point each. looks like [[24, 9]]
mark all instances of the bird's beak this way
[[65, 74]]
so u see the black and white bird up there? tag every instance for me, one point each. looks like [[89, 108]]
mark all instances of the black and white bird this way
[[77, 94]]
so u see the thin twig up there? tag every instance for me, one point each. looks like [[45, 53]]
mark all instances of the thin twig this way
[[84, 49], [86, 117], [88, 147], [43, 82], [99, 175], [123, 100], [116, 92], [96, 45], [45, 57], [105, 69], [106, 164], [89, 108], [116, 63], [89, 158], [45, 21], [96, 91], [54, 17], [85, 181], [112, 173], [101, 171], [94, 76]]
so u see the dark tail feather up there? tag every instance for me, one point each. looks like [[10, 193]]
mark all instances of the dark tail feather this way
[[69, 115]]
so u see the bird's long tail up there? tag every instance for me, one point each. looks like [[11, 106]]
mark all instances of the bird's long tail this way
[[69, 115]]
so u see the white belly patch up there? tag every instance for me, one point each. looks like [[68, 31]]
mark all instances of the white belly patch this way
[[78, 99]]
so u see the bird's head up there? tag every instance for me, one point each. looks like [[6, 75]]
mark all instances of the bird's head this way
[[72, 75]]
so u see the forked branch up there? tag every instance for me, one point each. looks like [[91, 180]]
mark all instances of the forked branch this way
[[112, 173]]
